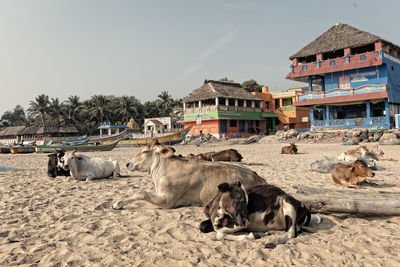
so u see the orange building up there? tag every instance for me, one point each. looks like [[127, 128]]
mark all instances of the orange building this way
[[225, 109]]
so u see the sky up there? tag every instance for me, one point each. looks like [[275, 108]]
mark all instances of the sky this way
[[140, 48]]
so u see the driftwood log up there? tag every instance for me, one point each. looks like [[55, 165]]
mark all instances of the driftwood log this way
[[351, 201]]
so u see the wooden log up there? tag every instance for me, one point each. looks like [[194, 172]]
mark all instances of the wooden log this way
[[375, 207]]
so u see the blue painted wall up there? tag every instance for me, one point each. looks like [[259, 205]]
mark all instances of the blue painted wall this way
[[370, 75], [392, 65]]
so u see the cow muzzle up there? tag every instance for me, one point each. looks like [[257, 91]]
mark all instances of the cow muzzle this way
[[132, 166]]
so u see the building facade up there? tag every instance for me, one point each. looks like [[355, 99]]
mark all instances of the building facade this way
[[225, 109], [353, 79], [162, 125]]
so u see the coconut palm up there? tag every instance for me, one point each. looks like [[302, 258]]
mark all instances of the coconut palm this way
[[72, 108], [56, 110], [40, 107], [100, 108], [127, 108], [165, 103]]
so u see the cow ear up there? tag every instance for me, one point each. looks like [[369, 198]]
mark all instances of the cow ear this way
[[154, 143], [223, 187], [166, 152], [51, 155]]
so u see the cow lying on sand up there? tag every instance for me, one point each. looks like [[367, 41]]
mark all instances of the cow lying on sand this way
[[361, 151], [225, 155], [349, 175], [53, 168], [291, 149], [180, 182], [85, 168], [258, 209]]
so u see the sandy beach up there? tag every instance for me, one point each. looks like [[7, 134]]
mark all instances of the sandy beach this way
[[60, 222]]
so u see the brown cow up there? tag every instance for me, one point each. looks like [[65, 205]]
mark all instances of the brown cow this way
[[349, 175], [361, 151], [225, 155], [291, 149], [258, 209]]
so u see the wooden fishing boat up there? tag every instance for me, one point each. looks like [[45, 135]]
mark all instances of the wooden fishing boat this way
[[87, 147], [121, 136], [170, 139], [74, 140], [22, 149], [5, 150]]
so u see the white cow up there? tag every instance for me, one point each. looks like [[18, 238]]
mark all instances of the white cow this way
[[85, 168]]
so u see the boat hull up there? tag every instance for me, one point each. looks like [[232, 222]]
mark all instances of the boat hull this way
[[22, 149], [82, 148], [170, 139]]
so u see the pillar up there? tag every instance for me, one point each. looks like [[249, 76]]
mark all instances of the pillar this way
[[294, 62], [368, 107], [327, 115], [217, 101], [109, 131], [347, 51], [245, 103], [184, 106], [226, 101], [311, 116], [378, 46], [387, 112], [236, 103], [253, 103], [199, 103], [310, 83], [320, 57]]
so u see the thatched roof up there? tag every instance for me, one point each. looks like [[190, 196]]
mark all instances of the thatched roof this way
[[338, 37], [32, 130], [12, 131], [212, 89]]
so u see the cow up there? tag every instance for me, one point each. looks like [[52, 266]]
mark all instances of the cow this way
[[53, 168], [256, 209], [291, 149], [85, 168], [349, 175], [361, 151], [231, 155], [180, 182]]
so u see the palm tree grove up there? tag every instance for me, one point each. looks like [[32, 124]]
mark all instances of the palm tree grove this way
[[87, 115]]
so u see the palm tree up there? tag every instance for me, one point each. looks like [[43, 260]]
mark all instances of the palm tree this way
[[55, 110], [100, 109], [127, 108], [166, 102], [72, 108], [40, 107]]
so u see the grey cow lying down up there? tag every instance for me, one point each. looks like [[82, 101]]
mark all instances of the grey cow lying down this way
[[258, 209], [83, 167], [181, 182]]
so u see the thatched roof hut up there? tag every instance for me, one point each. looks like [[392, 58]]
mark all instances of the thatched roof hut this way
[[212, 89], [36, 130], [339, 37], [11, 131], [30, 130]]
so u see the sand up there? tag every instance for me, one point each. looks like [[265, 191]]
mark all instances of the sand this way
[[60, 222]]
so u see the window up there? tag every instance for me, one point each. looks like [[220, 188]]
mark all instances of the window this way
[[304, 67], [377, 109], [392, 68], [231, 102], [286, 102], [333, 63], [165, 126], [344, 82], [233, 123], [277, 104], [257, 123], [363, 57]]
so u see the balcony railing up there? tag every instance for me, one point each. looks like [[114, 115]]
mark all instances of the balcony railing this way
[[337, 64], [224, 108], [369, 88]]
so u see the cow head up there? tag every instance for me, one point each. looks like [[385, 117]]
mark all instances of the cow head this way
[[149, 155], [69, 159], [232, 205], [55, 161], [361, 170]]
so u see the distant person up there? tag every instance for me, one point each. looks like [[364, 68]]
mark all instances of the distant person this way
[[285, 127]]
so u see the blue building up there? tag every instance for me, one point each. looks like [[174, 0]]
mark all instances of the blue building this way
[[353, 78]]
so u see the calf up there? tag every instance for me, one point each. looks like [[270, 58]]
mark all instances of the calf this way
[[86, 168], [361, 151], [291, 149], [260, 208], [53, 168], [349, 175]]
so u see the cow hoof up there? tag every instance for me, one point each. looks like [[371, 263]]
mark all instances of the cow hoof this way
[[256, 236], [316, 219], [117, 205], [270, 245]]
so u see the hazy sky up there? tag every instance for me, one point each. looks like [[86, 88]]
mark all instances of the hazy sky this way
[[87, 47]]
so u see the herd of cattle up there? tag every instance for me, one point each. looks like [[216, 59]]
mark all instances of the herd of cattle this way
[[236, 199]]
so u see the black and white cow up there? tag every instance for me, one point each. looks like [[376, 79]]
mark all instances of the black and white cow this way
[[258, 209], [53, 165]]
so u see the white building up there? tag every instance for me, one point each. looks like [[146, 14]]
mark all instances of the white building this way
[[162, 125]]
